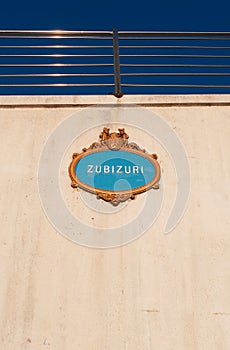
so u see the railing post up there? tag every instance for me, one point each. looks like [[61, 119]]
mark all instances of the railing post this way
[[116, 65]]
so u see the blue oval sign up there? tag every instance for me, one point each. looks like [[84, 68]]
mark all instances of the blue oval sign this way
[[114, 169]]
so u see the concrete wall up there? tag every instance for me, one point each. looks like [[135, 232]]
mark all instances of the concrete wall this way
[[164, 292]]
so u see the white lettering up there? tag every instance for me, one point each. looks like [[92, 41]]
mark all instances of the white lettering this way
[[135, 169], [98, 169], [119, 167], [127, 169], [90, 169], [106, 169]]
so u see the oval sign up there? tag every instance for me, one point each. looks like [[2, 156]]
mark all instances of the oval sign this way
[[115, 169]]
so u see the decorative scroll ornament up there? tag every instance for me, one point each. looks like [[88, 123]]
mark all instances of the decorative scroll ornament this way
[[114, 169]]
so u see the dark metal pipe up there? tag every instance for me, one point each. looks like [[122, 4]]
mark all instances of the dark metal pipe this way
[[116, 61]]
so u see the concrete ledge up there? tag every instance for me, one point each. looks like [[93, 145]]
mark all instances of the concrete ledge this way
[[70, 101]]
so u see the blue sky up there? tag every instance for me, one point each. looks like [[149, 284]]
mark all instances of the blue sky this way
[[125, 15]]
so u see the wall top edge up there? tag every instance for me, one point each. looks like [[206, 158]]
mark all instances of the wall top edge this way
[[88, 100]]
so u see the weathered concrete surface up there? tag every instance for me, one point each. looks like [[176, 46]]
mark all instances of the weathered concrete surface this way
[[86, 100], [159, 292]]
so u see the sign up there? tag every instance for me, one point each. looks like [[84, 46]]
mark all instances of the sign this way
[[114, 169]]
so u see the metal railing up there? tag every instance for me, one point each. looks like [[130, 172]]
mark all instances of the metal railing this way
[[116, 62]]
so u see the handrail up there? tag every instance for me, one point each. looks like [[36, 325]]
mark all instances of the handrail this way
[[68, 61]]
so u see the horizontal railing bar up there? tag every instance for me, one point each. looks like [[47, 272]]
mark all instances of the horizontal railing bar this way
[[120, 38], [56, 37], [176, 74], [176, 38], [177, 56], [54, 85], [126, 38], [104, 55], [56, 47], [53, 65], [175, 47], [56, 75], [54, 55], [45, 33], [124, 85], [109, 33], [56, 65], [177, 86], [167, 33], [175, 65], [110, 47], [148, 39]]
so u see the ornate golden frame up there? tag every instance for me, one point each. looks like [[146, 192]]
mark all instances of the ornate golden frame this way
[[114, 141]]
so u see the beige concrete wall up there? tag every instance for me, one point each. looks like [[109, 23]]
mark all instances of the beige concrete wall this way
[[164, 292]]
